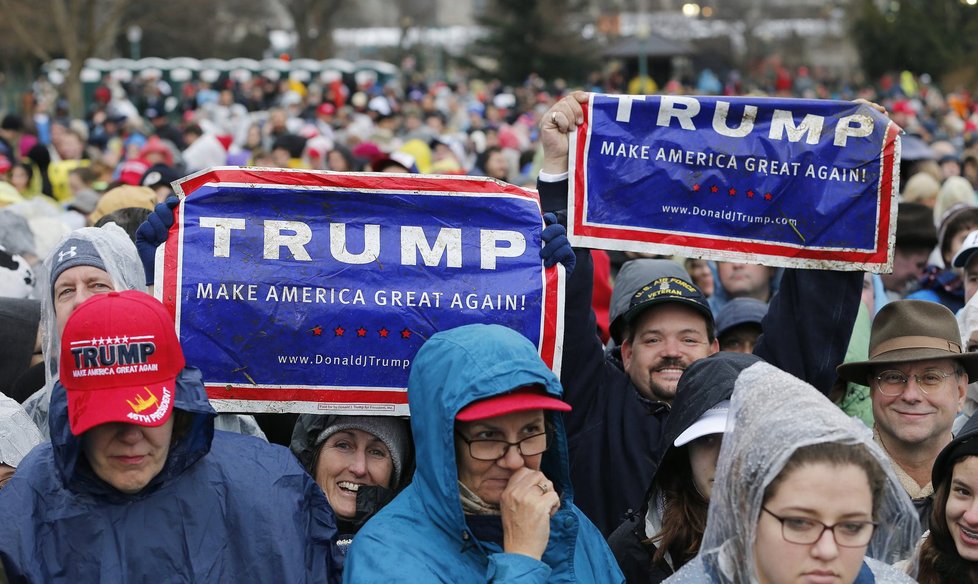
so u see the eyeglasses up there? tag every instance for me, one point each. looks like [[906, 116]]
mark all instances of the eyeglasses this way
[[804, 531], [496, 449], [892, 382]]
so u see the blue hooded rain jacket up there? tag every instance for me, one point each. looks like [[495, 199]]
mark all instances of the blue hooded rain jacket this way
[[224, 508], [422, 536]]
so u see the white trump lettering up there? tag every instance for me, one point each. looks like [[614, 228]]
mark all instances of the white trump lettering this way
[[448, 242], [624, 113], [371, 244], [222, 227], [275, 240], [681, 108], [490, 250], [746, 123], [447, 248], [857, 126], [784, 122]]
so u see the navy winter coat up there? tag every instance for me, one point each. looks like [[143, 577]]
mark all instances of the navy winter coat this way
[[224, 508]]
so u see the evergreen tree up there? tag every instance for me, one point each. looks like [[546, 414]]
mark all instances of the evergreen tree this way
[[922, 36], [535, 36]]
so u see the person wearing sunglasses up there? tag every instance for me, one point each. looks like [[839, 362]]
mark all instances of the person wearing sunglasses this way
[[491, 499], [801, 494]]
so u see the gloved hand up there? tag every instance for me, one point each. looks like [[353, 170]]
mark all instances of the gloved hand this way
[[152, 233], [556, 247]]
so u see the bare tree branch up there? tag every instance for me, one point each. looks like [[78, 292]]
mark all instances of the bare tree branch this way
[[64, 29], [90, 8], [29, 41], [108, 28]]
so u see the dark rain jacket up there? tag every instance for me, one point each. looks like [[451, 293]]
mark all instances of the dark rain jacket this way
[[224, 508], [615, 434], [703, 385], [422, 535]]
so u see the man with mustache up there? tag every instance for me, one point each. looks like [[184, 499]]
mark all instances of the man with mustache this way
[[621, 400]]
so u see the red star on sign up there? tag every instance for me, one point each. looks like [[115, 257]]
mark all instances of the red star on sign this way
[[767, 197], [339, 331], [317, 330], [750, 194], [383, 333], [714, 189], [405, 334], [732, 191], [361, 332], [696, 187]]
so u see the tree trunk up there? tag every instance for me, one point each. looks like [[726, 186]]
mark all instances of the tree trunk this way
[[73, 89]]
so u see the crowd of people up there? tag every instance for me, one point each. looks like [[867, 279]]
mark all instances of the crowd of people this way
[[712, 422]]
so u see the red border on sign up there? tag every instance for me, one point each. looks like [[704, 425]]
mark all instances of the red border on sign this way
[[282, 394], [772, 250], [256, 177]]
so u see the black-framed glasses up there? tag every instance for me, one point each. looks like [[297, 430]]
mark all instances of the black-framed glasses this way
[[805, 531], [892, 382], [496, 449]]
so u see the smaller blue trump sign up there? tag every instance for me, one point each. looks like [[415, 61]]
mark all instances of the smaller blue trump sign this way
[[794, 183], [308, 291]]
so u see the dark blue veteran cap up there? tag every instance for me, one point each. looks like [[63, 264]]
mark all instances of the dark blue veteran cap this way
[[668, 289]]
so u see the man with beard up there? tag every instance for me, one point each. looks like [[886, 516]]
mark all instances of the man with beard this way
[[620, 399]]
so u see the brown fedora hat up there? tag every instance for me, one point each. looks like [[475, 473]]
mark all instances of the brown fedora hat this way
[[911, 330]]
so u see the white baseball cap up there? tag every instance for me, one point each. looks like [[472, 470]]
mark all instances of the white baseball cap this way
[[967, 250], [713, 421]]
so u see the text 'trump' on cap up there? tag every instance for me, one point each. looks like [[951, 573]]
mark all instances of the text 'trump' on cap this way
[[120, 358]]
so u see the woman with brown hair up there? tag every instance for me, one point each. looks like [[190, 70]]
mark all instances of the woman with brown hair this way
[[802, 494], [666, 533], [949, 551]]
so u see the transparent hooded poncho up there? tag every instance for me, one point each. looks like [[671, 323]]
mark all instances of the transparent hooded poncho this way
[[121, 261], [774, 414], [18, 433], [968, 326]]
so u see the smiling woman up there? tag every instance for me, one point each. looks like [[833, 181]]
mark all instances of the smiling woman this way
[[360, 462], [949, 552]]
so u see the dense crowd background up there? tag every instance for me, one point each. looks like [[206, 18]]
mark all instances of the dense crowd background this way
[[638, 408]]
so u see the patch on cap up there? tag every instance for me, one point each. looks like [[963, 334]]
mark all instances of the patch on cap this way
[[668, 289]]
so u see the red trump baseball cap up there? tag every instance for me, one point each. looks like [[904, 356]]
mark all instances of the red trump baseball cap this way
[[120, 358]]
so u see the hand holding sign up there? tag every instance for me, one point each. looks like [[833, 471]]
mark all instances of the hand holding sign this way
[[152, 233], [555, 126], [556, 247]]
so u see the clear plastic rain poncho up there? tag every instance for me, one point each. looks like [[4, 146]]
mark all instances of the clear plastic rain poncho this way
[[18, 433], [774, 414], [121, 261], [968, 325]]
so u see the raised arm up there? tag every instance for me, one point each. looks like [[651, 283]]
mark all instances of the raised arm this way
[[808, 324]]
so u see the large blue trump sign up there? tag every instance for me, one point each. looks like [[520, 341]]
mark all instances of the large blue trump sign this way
[[310, 291], [798, 183]]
